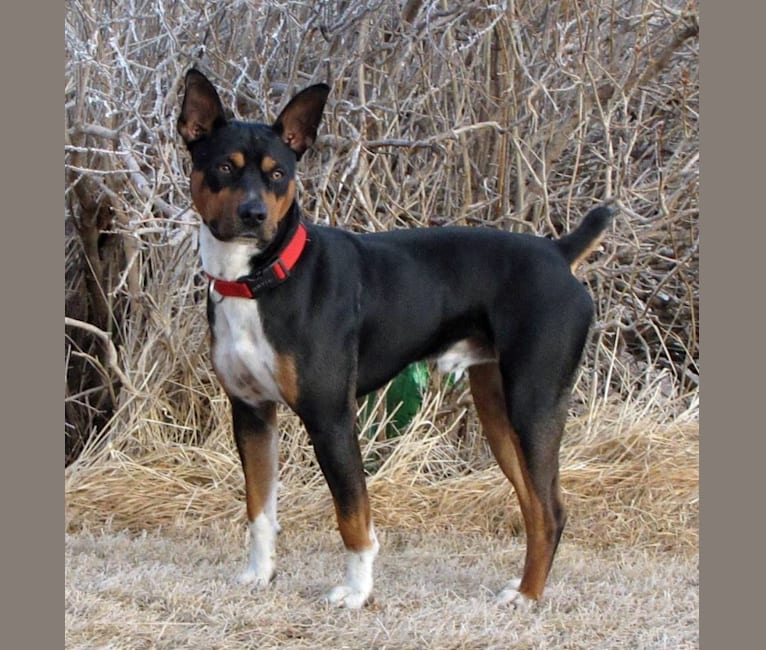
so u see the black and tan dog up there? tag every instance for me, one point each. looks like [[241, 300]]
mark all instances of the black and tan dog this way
[[314, 317]]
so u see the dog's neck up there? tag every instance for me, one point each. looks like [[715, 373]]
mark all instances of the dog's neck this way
[[236, 259], [274, 264]]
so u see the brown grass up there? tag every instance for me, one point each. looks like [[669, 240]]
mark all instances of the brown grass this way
[[157, 534], [174, 589], [629, 477]]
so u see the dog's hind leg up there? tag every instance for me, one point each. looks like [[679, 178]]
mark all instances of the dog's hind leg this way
[[534, 478], [257, 441]]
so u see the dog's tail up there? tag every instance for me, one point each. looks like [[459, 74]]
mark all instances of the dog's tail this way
[[579, 243]]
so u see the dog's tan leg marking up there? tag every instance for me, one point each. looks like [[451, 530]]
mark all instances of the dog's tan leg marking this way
[[362, 546], [258, 452], [488, 395], [355, 527]]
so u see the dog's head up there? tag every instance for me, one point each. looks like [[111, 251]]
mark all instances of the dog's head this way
[[243, 173]]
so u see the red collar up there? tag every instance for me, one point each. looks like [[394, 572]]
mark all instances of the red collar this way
[[268, 276]]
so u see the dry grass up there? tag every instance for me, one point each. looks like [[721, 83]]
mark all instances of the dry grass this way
[[156, 532], [629, 477], [174, 589]]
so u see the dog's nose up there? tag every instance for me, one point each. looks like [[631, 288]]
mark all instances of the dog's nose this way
[[252, 213]]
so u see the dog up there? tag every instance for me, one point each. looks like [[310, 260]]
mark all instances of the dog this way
[[315, 317]]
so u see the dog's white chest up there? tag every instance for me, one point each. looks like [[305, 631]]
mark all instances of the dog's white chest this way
[[243, 359]]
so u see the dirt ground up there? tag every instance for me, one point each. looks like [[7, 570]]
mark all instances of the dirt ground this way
[[175, 588]]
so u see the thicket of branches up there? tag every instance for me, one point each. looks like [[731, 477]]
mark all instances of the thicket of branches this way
[[521, 115]]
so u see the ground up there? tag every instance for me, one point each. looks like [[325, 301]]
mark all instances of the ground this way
[[174, 588]]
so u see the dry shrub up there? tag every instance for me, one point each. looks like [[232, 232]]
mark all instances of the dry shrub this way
[[520, 115]]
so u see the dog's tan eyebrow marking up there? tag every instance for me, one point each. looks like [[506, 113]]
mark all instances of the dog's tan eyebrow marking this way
[[238, 159], [268, 164]]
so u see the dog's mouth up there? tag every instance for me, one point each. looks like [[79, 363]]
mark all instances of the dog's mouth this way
[[245, 235]]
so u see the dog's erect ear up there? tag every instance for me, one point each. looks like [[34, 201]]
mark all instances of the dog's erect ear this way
[[298, 122], [201, 110]]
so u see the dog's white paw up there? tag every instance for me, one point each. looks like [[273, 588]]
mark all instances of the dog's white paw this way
[[348, 597], [358, 586], [510, 595], [255, 579], [260, 566]]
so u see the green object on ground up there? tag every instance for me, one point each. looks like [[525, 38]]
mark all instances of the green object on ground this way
[[406, 391]]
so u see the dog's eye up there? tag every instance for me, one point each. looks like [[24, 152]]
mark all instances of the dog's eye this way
[[276, 175], [224, 168]]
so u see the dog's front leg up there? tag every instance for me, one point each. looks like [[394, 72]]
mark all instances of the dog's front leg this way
[[337, 450], [257, 441]]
